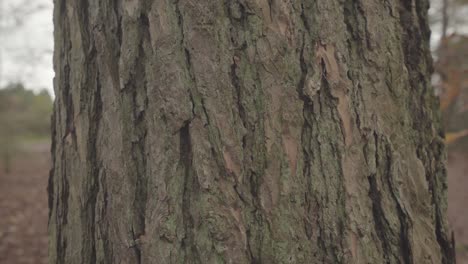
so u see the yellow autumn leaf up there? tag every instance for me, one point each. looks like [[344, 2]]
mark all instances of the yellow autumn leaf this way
[[454, 136]]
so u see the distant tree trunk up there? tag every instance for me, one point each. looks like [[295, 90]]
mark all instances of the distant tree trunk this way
[[7, 161], [246, 131], [445, 19]]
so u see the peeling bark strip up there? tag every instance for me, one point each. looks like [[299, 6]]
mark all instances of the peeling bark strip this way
[[246, 131]]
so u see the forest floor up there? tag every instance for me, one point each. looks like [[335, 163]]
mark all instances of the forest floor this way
[[458, 200], [23, 206]]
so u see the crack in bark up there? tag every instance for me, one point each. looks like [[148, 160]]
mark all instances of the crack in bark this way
[[95, 167], [381, 224], [186, 159], [138, 147]]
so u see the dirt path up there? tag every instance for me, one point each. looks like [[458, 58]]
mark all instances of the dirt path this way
[[23, 207]]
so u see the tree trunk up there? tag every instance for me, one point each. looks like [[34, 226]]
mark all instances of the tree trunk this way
[[6, 160], [445, 19], [246, 131]]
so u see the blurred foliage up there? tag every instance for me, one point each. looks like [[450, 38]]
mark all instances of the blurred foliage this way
[[452, 85], [24, 115], [454, 136], [449, 20], [452, 66]]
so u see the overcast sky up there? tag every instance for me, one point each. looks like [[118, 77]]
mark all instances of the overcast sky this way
[[26, 42]]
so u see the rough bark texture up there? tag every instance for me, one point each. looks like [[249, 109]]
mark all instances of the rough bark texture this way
[[246, 131]]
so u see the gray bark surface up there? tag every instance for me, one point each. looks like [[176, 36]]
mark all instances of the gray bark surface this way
[[246, 131]]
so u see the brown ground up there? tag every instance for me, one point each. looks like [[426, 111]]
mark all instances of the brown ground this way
[[23, 206], [458, 202]]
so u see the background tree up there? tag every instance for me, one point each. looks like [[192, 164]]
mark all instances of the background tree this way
[[24, 116], [451, 66], [246, 132]]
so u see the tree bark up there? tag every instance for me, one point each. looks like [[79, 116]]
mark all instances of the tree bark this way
[[246, 131]]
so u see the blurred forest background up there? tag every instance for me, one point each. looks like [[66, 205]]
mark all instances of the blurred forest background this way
[[25, 118], [26, 96], [449, 22]]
